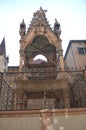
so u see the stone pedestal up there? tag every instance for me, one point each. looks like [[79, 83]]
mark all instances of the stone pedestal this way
[[46, 120]]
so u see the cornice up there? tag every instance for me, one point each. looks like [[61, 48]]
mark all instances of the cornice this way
[[53, 112]]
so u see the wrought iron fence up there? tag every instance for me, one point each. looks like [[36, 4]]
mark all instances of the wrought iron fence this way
[[8, 99]]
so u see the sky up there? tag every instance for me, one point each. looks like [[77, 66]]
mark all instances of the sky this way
[[71, 14]]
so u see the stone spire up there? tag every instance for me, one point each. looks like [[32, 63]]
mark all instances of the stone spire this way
[[57, 28], [22, 30], [2, 47], [3, 61]]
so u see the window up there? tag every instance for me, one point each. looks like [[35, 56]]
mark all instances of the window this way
[[85, 50], [82, 51]]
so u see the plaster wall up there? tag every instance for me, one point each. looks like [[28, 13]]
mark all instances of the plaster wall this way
[[34, 122], [2, 64], [69, 61], [74, 59]]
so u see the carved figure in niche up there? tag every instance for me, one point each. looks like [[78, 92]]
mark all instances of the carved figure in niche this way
[[40, 29]]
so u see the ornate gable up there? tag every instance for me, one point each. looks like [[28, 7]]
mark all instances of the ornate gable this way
[[39, 26], [39, 39]]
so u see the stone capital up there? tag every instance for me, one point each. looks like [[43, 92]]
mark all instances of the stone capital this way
[[60, 52]]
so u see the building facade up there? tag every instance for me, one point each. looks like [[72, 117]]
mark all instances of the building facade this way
[[75, 57]]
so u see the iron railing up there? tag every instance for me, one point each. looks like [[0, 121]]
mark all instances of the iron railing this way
[[8, 99]]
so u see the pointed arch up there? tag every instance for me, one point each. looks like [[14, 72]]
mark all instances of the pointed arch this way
[[41, 45]]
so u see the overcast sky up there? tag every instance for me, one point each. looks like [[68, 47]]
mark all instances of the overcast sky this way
[[70, 13]]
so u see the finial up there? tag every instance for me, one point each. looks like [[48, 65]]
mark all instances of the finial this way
[[57, 28], [41, 4], [23, 21], [22, 30]]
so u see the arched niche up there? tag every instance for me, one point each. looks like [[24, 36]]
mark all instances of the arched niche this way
[[40, 45]]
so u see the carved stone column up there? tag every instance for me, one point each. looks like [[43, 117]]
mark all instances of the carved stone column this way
[[21, 64], [66, 97], [61, 59], [19, 99], [25, 101]]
